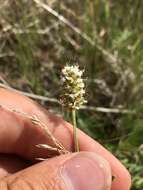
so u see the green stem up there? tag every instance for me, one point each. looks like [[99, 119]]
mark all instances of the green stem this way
[[76, 146]]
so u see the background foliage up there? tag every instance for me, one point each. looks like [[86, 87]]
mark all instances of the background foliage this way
[[105, 37]]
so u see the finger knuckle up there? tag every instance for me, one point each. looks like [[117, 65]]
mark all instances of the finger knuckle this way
[[15, 184]]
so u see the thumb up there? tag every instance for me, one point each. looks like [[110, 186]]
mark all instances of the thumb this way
[[83, 170]]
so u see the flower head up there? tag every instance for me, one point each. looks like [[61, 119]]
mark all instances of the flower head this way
[[73, 87]]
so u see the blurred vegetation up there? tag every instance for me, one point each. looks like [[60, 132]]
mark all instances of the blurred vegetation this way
[[105, 38]]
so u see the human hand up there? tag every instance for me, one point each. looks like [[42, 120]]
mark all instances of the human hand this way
[[88, 170]]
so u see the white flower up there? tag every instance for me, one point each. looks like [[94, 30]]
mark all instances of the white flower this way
[[73, 87]]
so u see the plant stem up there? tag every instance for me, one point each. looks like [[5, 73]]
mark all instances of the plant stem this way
[[76, 145]]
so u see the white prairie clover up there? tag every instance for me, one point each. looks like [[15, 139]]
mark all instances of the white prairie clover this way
[[73, 90]]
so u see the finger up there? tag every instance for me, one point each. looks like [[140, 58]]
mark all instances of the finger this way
[[119, 172], [18, 114], [86, 143], [20, 135], [10, 164], [68, 172]]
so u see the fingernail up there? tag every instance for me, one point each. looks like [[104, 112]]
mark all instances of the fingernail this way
[[86, 171]]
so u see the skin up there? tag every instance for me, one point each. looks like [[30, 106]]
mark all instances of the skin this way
[[18, 137]]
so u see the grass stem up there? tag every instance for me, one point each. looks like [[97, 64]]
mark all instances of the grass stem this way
[[76, 145]]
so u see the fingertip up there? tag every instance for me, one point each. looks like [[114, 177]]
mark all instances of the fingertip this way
[[87, 170], [122, 179], [83, 170]]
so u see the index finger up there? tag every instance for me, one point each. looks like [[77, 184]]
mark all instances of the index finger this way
[[13, 135]]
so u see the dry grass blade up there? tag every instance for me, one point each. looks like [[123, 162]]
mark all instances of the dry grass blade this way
[[64, 20], [40, 159], [45, 146], [109, 110], [30, 95], [91, 108]]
